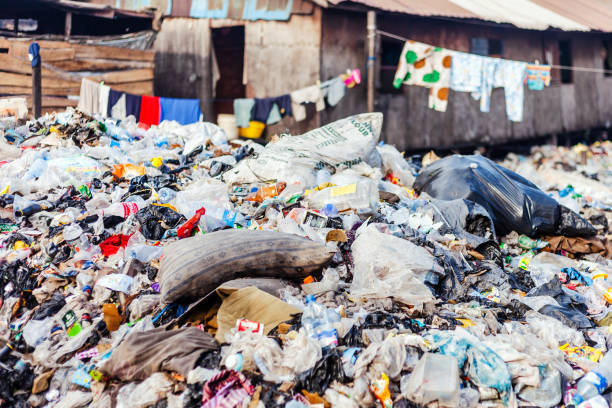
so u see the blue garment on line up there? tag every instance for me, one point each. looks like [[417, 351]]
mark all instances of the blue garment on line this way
[[184, 111], [242, 111]]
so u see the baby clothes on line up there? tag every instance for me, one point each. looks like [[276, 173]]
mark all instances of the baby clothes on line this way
[[428, 66]]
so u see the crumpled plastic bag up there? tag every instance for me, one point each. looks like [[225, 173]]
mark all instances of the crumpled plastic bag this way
[[484, 366], [388, 266]]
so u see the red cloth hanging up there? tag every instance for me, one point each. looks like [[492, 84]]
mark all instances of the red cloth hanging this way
[[149, 111]]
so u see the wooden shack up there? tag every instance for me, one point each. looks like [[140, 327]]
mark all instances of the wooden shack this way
[[77, 40], [264, 48]]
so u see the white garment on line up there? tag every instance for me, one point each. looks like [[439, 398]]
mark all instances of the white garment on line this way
[[311, 94], [103, 100]]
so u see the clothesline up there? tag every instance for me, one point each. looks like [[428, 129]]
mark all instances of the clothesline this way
[[571, 68]]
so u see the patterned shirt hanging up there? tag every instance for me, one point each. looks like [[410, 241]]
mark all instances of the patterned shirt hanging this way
[[428, 66]]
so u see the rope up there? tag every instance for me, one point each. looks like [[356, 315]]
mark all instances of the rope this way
[[568, 67]]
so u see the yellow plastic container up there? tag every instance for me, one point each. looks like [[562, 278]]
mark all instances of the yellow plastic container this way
[[254, 130]]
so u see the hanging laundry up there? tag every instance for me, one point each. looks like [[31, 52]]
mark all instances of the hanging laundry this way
[[149, 111], [116, 104], [89, 96], [274, 116], [310, 94], [242, 111], [424, 65], [132, 105], [333, 90], [466, 72], [538, 76], [184, 111], [262, 107], [506, 74], [351, 78], [103, 99]]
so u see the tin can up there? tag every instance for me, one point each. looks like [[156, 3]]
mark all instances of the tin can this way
[[244, 325]]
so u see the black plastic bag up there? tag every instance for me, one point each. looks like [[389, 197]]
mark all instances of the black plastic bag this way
[[514, 203], [50, 307], [325, 371], [155, 220], [569, 317]]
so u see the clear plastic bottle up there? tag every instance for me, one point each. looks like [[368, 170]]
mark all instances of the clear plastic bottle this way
[[165, 195], [229, 217], [360, 195], [596, 381], [318, 322], [85, 282], [121, 209], [266, 191]]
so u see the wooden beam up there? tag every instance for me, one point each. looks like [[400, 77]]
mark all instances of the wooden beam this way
[[120, 77], [139, 88], [53, 101], [19, 66], [36, 90], [10, 79], [102, 51], [27, 90], [47, 55], [67, 25], [93, 64]]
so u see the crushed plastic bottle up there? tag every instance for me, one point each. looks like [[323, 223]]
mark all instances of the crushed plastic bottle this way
[[596, 381], [318, 322]]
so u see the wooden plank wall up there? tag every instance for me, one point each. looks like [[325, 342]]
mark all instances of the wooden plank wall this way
[[64, 64]]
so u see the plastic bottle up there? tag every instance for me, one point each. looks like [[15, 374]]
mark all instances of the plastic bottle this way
[[85, 281], [596, 381], [229, 217], [266, 191], [141, 202], [121, 209], [165, 195], [323, 176], [36, 169], [595, 402], [318, 321], [72, 234], [360, 195]]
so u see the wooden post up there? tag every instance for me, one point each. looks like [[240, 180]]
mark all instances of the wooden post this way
[[36, 91], [371, 26], [15, 25], [67, 25]]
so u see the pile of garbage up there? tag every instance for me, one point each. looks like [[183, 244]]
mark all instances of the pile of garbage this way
[[171, 267]]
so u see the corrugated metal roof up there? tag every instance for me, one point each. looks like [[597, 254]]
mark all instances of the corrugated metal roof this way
[[595, 14], [521, 13], [442, 8], [567, 15]]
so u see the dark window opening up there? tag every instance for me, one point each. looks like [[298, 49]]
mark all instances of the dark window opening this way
[[488, 47], [565, 60], [607, 59], [389, 57]]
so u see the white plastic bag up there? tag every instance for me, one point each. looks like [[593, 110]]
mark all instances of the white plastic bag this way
[[343, 144]]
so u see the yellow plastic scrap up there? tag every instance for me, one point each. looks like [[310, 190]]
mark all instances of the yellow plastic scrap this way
[[157, 161]]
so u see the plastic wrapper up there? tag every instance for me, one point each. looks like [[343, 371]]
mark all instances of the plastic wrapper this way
[[435, 378], [386, 265]]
